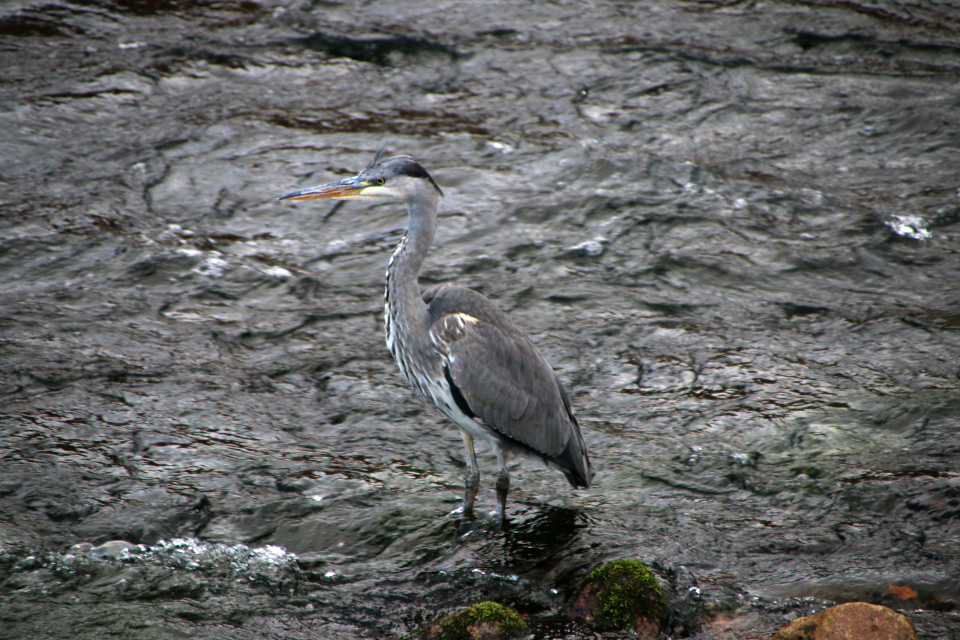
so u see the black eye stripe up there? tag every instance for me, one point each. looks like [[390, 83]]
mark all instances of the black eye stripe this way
[[396, 166]]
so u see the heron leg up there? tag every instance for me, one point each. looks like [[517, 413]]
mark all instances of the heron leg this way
[[503, 484], [473, 475]]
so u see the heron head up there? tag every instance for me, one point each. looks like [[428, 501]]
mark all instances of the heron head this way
[[395, 178]]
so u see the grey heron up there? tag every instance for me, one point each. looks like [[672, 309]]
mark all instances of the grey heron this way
[[460, 351]]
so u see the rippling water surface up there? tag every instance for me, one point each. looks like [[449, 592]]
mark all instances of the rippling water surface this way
[[731, 227]]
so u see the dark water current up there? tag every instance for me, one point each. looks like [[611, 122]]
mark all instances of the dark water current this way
[[732, 227]]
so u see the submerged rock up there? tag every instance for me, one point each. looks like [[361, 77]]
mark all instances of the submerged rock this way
[[623, 594], [112, 549], [482, 621], [850, 621]]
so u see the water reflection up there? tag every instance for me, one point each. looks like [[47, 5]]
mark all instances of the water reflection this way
[[535, 540]]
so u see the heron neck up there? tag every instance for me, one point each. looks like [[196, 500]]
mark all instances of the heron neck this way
[[403, 289]]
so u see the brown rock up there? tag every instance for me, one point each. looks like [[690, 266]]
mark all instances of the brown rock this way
[[904, 593], [851, 621]]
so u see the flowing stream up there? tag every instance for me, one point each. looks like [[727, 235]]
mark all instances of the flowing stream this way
[[730, 226]]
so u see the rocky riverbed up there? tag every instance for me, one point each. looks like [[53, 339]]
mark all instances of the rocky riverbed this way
[[732, 227]]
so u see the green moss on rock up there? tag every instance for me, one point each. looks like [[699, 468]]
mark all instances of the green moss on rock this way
[[619, 595], [482, 621]]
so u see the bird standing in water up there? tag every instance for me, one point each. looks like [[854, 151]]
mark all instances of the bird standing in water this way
[[458, 350]]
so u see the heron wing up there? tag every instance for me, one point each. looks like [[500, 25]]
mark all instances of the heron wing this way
[[500, 374]]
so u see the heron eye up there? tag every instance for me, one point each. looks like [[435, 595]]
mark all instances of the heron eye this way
[[380, 180]]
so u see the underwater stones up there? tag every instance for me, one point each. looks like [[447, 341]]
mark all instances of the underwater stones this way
[[112, 549], [482, 621], [623, 594], [850, 621]]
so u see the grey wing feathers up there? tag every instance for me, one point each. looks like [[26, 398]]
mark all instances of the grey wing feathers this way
[[501, 374]]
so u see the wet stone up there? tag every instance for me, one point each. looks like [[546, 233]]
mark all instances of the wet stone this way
[[28, 564], [622, 594], [851, 620], [295, 485], [482, 621], [590, 248], [112, 549], [80, 547]]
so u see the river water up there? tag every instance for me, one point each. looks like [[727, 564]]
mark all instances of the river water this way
[[730, 226]]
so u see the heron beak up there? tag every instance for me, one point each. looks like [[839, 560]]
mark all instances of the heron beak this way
[[349, 188]]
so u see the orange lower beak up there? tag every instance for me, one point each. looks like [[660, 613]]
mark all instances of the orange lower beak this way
[[349, 188]]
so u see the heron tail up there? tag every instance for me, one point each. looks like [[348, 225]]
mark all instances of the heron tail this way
[[575, 464]]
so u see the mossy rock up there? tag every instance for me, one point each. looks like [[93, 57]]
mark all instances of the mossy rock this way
[[482, 621], [623, 594]]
